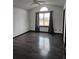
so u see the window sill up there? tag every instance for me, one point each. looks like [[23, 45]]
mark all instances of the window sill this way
[[43, 26]]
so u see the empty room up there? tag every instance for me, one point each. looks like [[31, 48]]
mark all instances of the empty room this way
[[39, 29]]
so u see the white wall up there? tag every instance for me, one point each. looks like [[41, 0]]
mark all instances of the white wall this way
[[57, 16], [20, 21], [44, 29]]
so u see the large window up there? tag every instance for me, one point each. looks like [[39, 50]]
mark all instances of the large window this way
[[44, 17]]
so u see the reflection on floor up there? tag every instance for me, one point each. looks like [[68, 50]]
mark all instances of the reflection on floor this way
[[38, 46], [44, 45]]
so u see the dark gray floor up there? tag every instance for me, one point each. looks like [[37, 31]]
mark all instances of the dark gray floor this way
[[38, 46]]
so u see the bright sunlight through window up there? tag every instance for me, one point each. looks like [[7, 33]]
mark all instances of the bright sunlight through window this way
[[43, 9], [44, 17]]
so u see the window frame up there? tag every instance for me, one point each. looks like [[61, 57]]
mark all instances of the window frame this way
[[43, 12]]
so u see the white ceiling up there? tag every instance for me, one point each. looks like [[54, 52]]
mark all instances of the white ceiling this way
[[27, 4]]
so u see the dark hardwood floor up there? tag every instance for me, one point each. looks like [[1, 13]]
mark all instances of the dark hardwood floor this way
[[33, 45]]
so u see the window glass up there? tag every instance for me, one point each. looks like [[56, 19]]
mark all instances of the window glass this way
[[44, 17], [44, 9]]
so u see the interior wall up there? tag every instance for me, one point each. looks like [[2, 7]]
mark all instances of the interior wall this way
[[20, 21], [44, 29], [57, 17]]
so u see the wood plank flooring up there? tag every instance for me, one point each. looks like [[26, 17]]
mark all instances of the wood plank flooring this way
[[33, 45]]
